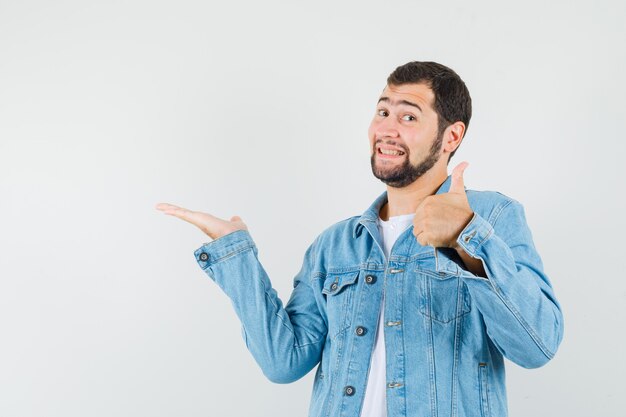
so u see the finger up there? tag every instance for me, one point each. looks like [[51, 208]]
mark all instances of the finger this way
[[423, 239], [419, 235], [171, 209], [204, 221], [181, 213], [456, 183], [418, 226], [165, 206]]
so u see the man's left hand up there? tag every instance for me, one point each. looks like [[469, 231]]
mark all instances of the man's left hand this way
[[440, 218]]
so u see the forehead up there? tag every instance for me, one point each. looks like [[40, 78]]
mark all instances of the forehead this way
[[420, 94]]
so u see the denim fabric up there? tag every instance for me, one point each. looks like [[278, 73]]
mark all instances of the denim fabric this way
[[446, 329]]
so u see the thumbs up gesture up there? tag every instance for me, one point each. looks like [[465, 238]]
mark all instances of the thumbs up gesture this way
[[440, 218]]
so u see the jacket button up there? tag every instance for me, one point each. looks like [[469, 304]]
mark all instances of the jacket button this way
[[360, 331], [204, 256], [334, 286], [349, 390], [370, 279]]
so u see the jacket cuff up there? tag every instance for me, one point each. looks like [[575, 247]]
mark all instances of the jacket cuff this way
[[224, 247], [475, 233]]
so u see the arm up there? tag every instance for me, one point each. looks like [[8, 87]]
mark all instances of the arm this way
[[285, 342], [521, 313], [475, 266]]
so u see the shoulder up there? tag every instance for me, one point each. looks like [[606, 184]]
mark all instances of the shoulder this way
[[336, 248], [500, 210], [340, 230], [491, 204]]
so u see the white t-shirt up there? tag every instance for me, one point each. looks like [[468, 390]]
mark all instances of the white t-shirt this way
[[375, 401]]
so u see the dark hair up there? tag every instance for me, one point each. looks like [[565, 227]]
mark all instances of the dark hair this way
[[452, 99]]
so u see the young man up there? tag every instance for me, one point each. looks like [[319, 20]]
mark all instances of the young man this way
[[409, 308]]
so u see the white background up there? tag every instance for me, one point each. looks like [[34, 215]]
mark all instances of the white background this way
[[261, 109]]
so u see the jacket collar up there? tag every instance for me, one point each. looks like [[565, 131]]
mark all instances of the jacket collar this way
[[371, 214]]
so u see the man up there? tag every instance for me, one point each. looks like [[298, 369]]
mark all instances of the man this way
[[408, 309]]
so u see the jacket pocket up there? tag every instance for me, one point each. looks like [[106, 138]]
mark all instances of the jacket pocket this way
[[339, 291], [483, 387], [444, 296]]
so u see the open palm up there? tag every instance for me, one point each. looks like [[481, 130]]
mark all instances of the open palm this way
[[213, 226]]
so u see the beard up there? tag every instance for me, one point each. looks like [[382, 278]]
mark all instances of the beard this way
[[406, 173]]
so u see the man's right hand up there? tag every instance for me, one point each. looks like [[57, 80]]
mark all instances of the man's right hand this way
[[213, 226]]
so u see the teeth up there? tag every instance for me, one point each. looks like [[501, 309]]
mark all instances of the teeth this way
[[390, 152]]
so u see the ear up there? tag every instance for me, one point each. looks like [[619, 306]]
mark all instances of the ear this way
[[453, 135]]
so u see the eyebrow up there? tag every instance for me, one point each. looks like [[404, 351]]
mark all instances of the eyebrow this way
[[408, 103]]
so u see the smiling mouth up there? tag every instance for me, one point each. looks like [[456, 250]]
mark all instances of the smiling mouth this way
[[389, 153]]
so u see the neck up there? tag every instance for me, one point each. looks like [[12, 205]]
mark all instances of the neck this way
[[406, 200]]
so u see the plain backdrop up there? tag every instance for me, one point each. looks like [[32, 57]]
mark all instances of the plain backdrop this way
[[261, 109]]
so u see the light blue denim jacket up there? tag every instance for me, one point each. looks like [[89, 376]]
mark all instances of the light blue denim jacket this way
[[446, 329]]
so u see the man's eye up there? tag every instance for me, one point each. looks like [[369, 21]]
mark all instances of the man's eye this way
[[382, 112], [408, 117]]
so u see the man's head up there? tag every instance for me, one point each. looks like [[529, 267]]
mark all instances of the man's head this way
[[422, 113]]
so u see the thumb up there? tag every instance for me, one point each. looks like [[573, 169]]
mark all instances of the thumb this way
[[235, 219], [456, 183]]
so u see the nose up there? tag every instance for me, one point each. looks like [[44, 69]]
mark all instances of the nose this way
[[388, 127]]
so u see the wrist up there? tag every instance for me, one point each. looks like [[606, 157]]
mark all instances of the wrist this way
[[455, 243]]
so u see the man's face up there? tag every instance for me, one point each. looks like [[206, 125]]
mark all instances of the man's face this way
[[403, 134]]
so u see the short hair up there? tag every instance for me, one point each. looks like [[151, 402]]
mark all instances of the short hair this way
[[452, 99]]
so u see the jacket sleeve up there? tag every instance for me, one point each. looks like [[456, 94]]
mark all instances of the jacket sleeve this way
[[285, 342], [522, 315]]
